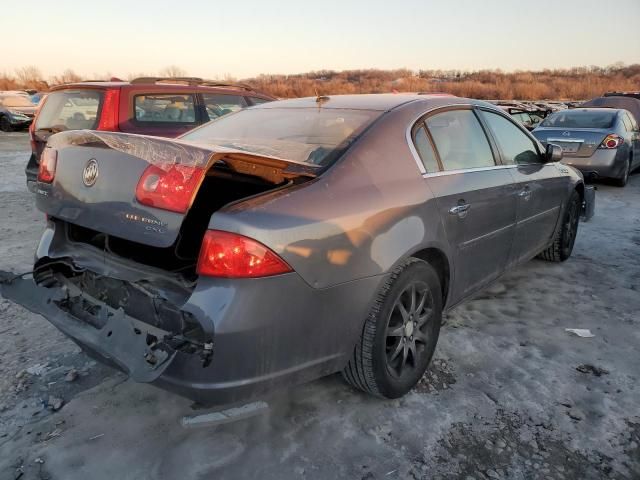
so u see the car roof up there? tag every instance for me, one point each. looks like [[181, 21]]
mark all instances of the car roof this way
[[172, 87], [371, 101]]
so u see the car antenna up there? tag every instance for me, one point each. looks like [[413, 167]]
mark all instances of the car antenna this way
[[320, 98]]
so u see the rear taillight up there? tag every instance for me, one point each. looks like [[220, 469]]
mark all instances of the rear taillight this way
[[612, 141], [48, 163], [109, 111], [169, 187], [229, 255]]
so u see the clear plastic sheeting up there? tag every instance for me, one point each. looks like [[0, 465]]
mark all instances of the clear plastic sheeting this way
[[157, 151], [166, 152]]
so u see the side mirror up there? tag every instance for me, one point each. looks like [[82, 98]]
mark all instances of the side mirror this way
[[553, 153]]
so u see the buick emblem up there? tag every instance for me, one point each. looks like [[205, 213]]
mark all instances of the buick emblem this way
[[566, 134], [90, 173]]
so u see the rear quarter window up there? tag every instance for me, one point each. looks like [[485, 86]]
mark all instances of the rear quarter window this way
[[70, 110], [164, 108], [218, 105]]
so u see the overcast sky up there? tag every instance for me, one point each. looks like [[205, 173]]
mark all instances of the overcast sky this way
[[248, 37]]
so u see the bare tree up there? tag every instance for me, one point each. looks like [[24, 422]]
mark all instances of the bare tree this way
[[68, 76], [172, 71], [29, 76]]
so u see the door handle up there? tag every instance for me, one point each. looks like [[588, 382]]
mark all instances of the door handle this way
[[460, 209], [525, 193]]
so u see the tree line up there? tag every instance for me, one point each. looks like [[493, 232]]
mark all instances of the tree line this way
[[564, 84]]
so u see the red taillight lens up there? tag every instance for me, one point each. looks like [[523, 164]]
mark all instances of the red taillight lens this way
[[48, 163], [109, 111], [169, 187], [229, 255], [612, 141]]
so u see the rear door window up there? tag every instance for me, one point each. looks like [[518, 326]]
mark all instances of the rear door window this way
[[165, 108], [460, 140], [425, 150], [217, 105], [515, 145], [70, 110]]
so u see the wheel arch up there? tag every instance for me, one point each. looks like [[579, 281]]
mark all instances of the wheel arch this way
[[439, 261]]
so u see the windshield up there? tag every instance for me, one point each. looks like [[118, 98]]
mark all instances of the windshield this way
[[310, 135], [16, 101], [580, 119], [70, 110]]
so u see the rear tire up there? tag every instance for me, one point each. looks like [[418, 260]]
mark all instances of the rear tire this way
[[5, 124], [621, 182], [565, 238], [400, 334]]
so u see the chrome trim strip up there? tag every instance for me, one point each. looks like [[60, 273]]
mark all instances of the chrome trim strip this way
[[565, 140], [468, 170], [491, 234], [537, 215]]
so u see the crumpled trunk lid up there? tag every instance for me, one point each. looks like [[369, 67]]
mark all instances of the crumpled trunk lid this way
[[108, 204]]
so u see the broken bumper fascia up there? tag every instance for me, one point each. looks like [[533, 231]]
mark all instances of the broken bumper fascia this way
[[122, 341]]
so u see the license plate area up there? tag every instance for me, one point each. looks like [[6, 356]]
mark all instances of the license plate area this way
[[569, 147]]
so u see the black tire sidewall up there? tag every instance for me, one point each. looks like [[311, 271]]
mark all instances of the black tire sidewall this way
[[389, 386], [5, 124], [574, 202]]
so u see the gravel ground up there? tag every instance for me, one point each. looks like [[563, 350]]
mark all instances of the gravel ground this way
[[510, 394]]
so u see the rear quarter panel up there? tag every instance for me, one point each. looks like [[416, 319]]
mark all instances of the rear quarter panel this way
[[360, 218]]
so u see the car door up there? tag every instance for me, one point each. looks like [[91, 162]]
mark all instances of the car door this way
[[541, 188], [473, 194]]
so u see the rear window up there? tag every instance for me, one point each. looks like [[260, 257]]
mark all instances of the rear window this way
[[70, 110], [165, 108], [310, 135], [580, 119]]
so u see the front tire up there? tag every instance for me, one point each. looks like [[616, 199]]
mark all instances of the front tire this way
[[5, 124], [565, 238], [400, 334]]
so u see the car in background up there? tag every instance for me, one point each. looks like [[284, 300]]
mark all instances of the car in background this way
[[292, 240], [527, 113], [635, 95], [626, 102], [158, 106], [16, 111], [600, 142]]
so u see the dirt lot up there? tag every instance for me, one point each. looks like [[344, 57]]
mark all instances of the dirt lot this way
[[509, 395]]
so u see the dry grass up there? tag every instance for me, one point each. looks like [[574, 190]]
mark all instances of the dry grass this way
[[569, 84]]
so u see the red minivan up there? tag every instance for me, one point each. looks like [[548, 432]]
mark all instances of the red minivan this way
[[164, 107]]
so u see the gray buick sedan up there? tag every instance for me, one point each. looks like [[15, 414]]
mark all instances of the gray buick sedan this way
[[292, 240]]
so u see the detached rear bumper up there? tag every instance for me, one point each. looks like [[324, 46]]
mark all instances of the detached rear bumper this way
[[123, 341]]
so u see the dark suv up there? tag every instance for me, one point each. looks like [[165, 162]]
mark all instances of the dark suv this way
[[164, 107]]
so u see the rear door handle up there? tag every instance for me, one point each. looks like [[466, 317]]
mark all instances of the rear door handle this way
[[525, 193], [460, 209]]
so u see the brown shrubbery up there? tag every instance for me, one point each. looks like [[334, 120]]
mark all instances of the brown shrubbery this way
[[567, 84]]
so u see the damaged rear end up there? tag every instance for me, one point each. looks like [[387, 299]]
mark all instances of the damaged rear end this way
[[117, 267]]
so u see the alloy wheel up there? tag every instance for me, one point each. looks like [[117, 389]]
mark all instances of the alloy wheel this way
[[407, 328]]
